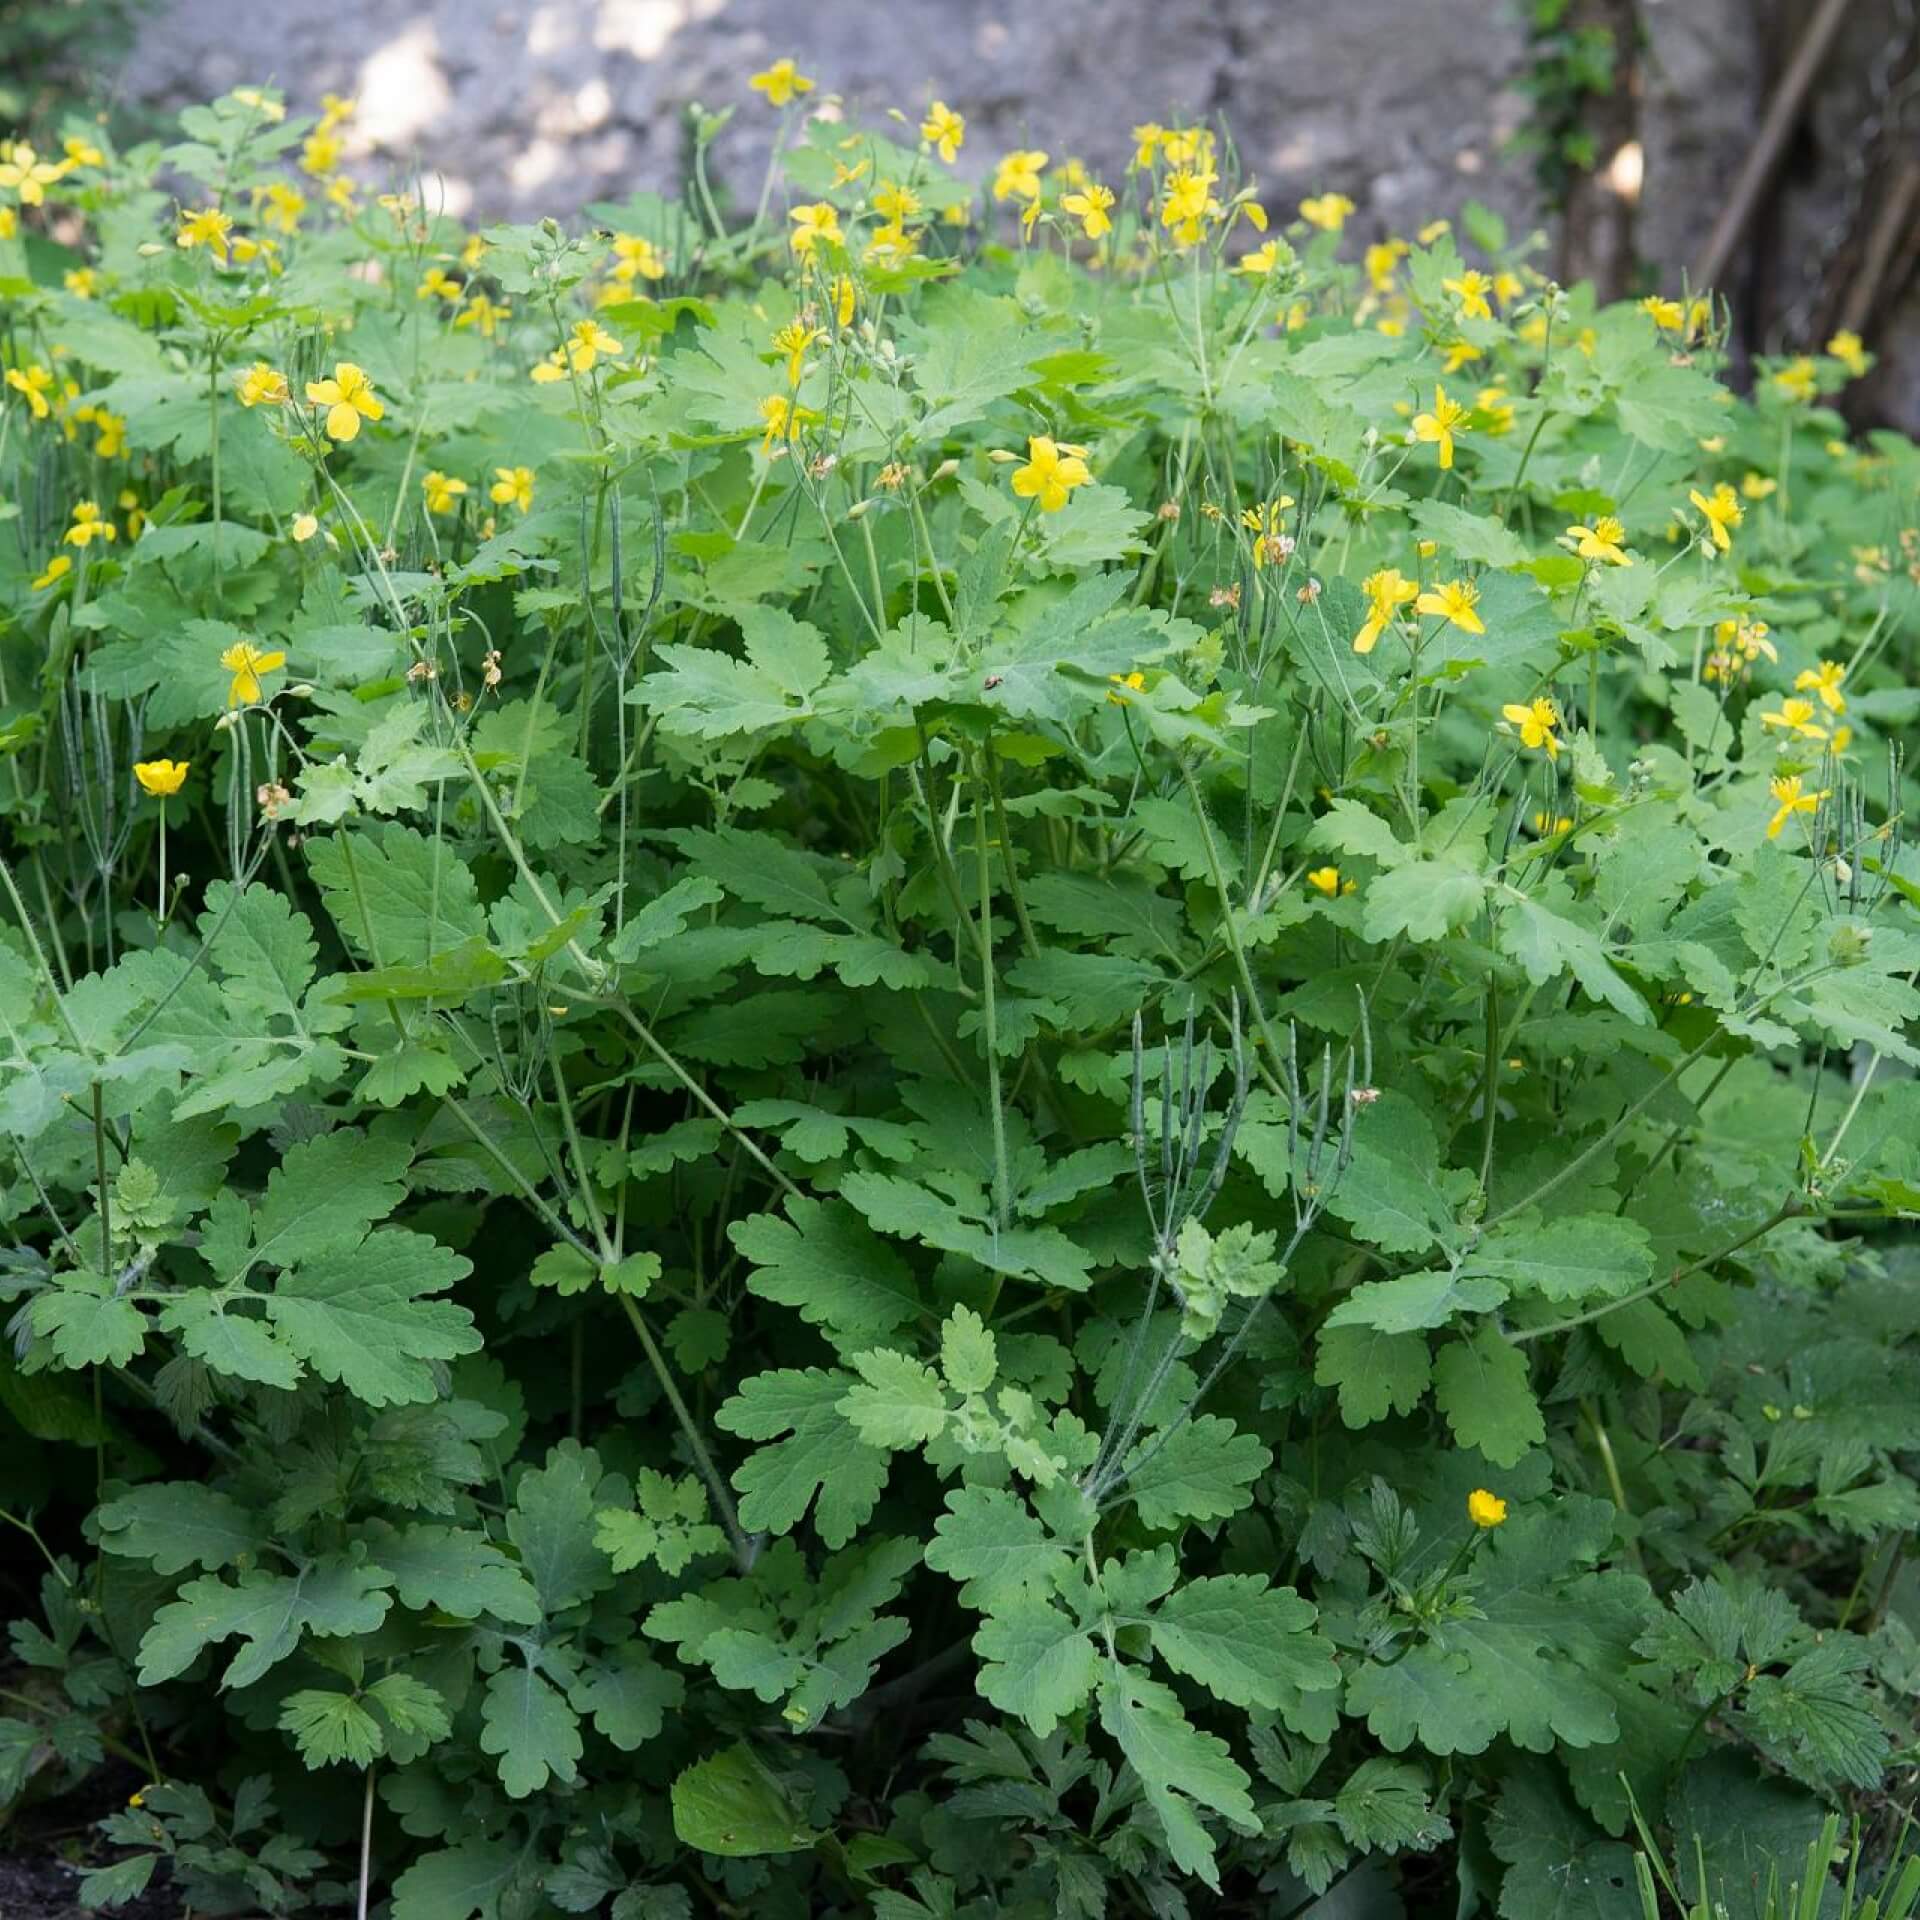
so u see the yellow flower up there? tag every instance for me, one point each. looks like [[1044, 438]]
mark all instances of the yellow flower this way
[[437, 283], [781, 83], [1327, 211], [305, 526], [1792, 799], [1799, 380], [636, 257], [1486, 1510], [1507, 287], [1536, 721], [113, 434], [1604, 540], [1380, 260], [208, 228], [1387, 591], [1847, 347], [1796, 717], [1756, 486], [81, 152], [348, 398], [841, 293], [27, 174], [1440, 426], [333, 110], [1051, 473], [1453, 601], [129, 502], [944, 130], [1822, 681], [793, 340], [57, 569], [1722, 511], [1089, 207], [1668, 315], [1187, 146], [248, 247], [1018, 176], [279, 205], [1325, 880], [262, 385], [1146, 142], [1261, 261], [482, 315], [895, 204], [88, 526], [589, 343], [812, 224], [783, 420], [269, 109], [247, 663], [474, 250], [1268, 526], [442, 490], [1471, 290], [512, 486], [1131, 682], [1187, 203], [1459, 352], [82, 282], [36, 383], [1495, 410], [161, 777]]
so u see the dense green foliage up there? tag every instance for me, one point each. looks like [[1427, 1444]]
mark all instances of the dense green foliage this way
[[952, 1075]]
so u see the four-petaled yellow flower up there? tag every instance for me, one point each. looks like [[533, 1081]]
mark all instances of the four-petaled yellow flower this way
[[1187, 202], [1131, 682], [1604, 540], [1089, 207], [36, 382], [1439, 427], [1797, 717], [1847, 347], [1486, 1510], [1327, 211], [161, 777], [89, 526], [348, 398], [1536, 721], [1325, 880], [1471, 290], [1824, 681], [1668, 315], [442, 491], [1722, 511], [247, 663], [1052, 472], [1454, 601], [1387, 591], [207, 227], [1018, 176], [262, 385], [512, 486], [482, 314], [812, 224], [1799, 380], [782, 82], [1261, 261], [590, 343], [1792, 798], [56, 569], [27, 174], [437, 283], [636, 258], [944, 130], [279, 205]]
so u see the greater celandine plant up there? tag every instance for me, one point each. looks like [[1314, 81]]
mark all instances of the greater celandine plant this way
[[1013, 1050]]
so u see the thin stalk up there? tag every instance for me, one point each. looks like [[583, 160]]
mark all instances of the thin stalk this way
[[717, 1489]]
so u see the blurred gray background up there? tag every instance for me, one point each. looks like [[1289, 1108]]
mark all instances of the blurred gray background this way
[[1408, 106]]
